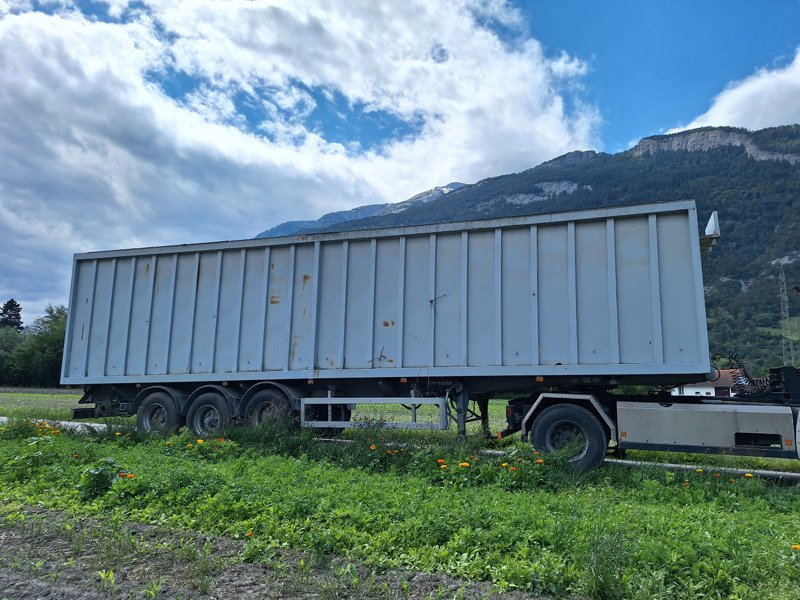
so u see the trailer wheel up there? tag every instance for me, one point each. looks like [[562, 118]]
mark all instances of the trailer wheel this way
[[209, 414], [158, 413], [269, 407], [566, 426]]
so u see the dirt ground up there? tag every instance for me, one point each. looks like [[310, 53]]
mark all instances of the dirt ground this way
[[44, 554]]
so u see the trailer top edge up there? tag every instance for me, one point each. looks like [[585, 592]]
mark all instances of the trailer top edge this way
[[388, 232]]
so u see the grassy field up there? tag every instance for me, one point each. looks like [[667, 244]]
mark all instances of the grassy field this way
[[40, 405], [519, 522], [58, 406]]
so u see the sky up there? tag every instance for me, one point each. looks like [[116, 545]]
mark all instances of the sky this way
[[151, 122]]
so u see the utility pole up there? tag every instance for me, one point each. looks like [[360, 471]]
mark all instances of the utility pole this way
[[788, 346]]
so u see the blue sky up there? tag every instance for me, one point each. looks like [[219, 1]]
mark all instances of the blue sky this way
[[137, 123], [656, 65]]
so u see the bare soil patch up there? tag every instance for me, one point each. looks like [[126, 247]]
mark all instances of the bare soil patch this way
[[46, 554]]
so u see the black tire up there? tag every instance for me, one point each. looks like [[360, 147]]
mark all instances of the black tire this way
[[563, 425], [158, 413], [269, 407], [209, 415]]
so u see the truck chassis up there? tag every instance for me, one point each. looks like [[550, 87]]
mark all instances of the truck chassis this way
[[589, 419]]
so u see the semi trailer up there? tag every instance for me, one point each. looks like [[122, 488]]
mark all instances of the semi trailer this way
[[559, 311]]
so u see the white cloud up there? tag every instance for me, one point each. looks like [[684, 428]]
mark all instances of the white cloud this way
[[96, 155], [768, 98]]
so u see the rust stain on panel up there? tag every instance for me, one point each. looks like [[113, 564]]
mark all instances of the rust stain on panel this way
[[274, 299]]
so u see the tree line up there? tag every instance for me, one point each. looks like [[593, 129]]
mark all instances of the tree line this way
[[31, 356]]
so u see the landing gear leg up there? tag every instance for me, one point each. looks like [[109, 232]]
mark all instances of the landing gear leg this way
[[462, 406], [483, 408]]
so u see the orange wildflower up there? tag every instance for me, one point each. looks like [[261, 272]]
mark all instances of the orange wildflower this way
[[372, 446], [441, 461], [512, 468], [131, 475], [795, 546], [748, 474], [442, 466], [539, 461], [249, 533], [463, 464]]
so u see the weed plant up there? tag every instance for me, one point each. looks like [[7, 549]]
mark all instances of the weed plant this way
[[520, 520]]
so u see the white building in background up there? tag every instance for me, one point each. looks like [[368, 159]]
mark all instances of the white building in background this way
[[723, 386]]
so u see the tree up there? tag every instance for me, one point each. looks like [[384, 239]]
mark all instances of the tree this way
[[36, 360], [10, 338], [11, 315]]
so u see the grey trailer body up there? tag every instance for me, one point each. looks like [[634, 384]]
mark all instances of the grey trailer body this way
[[613, 292], [561, 308]]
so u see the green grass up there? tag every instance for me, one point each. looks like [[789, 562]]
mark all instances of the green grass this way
[[48, 406], [613, 533], [37, 405], [739, 462], [26, 404], [425, 413]]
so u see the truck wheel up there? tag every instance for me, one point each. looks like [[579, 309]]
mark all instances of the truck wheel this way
[[566, 426], [158, 413], [269, 407], [209, 414]]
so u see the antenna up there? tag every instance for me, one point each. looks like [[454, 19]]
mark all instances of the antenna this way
[[788, 346]]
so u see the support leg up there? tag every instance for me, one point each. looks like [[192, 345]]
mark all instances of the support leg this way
[[483, 408], [462, 404]]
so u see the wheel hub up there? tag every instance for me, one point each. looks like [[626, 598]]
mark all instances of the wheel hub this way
[[567, 434], [208, 419]]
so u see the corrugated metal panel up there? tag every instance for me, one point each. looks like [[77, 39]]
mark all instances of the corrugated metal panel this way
[[602, 292]]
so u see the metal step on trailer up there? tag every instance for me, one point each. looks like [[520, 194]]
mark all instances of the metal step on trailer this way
[[413, 402]]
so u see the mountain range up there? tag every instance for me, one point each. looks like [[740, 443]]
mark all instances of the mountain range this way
[[751, 177]]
